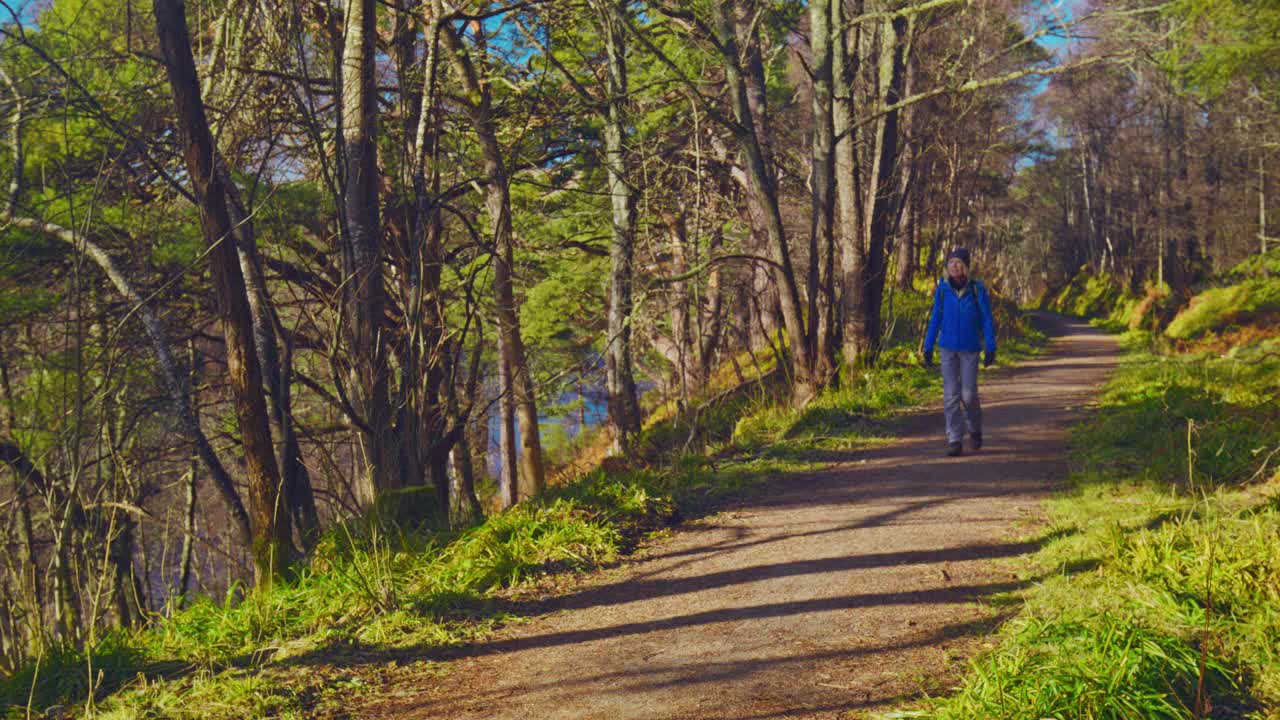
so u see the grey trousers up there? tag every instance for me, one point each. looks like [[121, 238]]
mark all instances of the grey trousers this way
[[960, 393]]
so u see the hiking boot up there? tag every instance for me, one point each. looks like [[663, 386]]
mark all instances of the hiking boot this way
[[955, 449], [975, 439]]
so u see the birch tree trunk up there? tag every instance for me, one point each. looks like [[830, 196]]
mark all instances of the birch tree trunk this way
[[853, 255]]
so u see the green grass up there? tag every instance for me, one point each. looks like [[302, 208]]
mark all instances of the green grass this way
[[841, 416], [1163, 568], [1109, 305], [1218, 309], [1247, 294]]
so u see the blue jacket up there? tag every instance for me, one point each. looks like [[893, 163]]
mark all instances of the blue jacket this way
[[963, 319]]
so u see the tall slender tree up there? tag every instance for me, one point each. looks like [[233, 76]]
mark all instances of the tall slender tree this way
[[363, 288], [624, 407], [267, 510], [472, 73]]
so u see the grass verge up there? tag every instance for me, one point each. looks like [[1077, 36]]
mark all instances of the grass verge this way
[[1162, 597]]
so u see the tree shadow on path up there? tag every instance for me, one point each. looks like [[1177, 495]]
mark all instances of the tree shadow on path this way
[[861, 570]]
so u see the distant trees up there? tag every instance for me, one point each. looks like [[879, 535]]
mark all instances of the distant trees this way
[[1230, 51], [1221, 43], [1149, 183]]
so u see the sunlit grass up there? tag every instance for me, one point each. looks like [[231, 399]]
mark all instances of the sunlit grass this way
[[1161, 589], [1220, 308]]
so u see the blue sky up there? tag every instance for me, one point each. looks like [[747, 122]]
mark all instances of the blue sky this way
[[1045, 13], [1057, 12]]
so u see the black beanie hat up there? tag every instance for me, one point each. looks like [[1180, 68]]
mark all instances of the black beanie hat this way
[[961, 254]]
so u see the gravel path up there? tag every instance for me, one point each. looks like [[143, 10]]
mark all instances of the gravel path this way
[[841, 592]]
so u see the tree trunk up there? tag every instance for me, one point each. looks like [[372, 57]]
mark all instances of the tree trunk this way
[[1085, 183], [268, 514], [763, 193], [188, 537], [1262, 206], [624, 409], [130, 605], [277, 367], [498, 205], [882, 191], [909, 243], [421, 421], [66, 602], [33, 585], [1141, 203], [466, 509], [509, 458], [363, 286], [680, 350], [822, 25], [1191, 253], [1166, 196], [852, 252], [710, 328]]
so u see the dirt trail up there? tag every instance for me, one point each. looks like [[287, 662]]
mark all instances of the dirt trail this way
[[838, 593]]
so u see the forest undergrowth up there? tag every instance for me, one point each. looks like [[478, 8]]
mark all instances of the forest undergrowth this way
[[1162, 597], [378, 592]]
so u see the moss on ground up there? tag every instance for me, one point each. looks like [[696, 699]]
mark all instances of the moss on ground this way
[[1090, 294], [1253, 301]]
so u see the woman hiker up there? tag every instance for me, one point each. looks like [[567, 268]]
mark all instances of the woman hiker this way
[[962, 316]]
